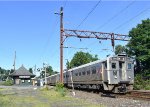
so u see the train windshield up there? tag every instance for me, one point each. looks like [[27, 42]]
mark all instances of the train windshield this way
[[129, 65], [113, 65]]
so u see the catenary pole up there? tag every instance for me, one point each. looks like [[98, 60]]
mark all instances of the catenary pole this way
[[61, 44]]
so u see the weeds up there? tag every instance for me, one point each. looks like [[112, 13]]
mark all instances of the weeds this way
[[61, 89], [8, 83], [45, 88]]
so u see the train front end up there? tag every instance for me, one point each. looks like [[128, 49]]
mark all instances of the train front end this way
[[120, 73]]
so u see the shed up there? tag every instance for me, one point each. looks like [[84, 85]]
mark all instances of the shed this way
[[22, 76]]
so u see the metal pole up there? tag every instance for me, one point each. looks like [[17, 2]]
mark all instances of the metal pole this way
[[61, 44], [112, 41], [14, 61], [45, 76], [44, 68]]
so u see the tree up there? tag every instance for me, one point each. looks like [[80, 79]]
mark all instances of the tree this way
[[49, 70], [119, 49], [30, 70], [11, 71], [139, 46], [4, 74], [81, 58]]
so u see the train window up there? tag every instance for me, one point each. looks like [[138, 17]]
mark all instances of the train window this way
[[113, 65], [129, 65], [93, 70], [67, 76], [76, 74], [79, 73], [88, 72], [105, 63], [64, 76], [83, 73]]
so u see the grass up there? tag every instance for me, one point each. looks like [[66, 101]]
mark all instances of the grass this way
[[42, 98], [8, 83]]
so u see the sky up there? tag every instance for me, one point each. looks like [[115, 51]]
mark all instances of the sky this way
[[33, 30]]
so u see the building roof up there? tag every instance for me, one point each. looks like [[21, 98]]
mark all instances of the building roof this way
[[22, 71]]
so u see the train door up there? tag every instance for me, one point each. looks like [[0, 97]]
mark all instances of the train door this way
[[112, 71], [104, 71], [122, 70]]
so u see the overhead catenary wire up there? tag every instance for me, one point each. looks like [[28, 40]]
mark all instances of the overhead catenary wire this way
[[89, 13], [141, 12], [48, 40], [95, 6], [65, 3], [116, 15], [53, 31]]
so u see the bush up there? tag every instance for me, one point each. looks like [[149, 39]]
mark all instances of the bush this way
[[8, 83], [139, 83], [60, 88], [147, 87]]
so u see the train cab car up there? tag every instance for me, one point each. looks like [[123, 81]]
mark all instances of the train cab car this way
[[118, 73]]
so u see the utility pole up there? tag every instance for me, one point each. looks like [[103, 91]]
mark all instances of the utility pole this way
[[61, 44], [44, 69], [14, 61]]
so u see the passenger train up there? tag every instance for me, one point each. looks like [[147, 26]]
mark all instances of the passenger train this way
[[114, 74]]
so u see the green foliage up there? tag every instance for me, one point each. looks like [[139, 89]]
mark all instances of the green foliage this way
[[8, 83], [4, 74], [81, 58], [119, 49], [30, 70], [36, 98], [139, 83], [139, 45], [49, 70], [146, 73], [60, 88]]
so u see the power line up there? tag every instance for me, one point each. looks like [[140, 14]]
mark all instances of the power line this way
[[95, 6], [117, 14], [131, 18], [65, 3], [48, 40], [56, 50], [89, 13]]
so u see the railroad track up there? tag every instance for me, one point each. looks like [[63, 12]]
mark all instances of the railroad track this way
[[137, 95]]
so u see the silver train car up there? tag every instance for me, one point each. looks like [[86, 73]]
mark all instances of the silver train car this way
[[114, 74]]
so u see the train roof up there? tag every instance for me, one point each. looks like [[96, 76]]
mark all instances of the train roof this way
[[94, 62], [88, 64]]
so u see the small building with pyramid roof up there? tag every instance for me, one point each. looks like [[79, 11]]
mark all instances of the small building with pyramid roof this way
[[22, 76]]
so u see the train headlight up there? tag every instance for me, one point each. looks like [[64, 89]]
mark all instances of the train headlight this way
[[129, 77]]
